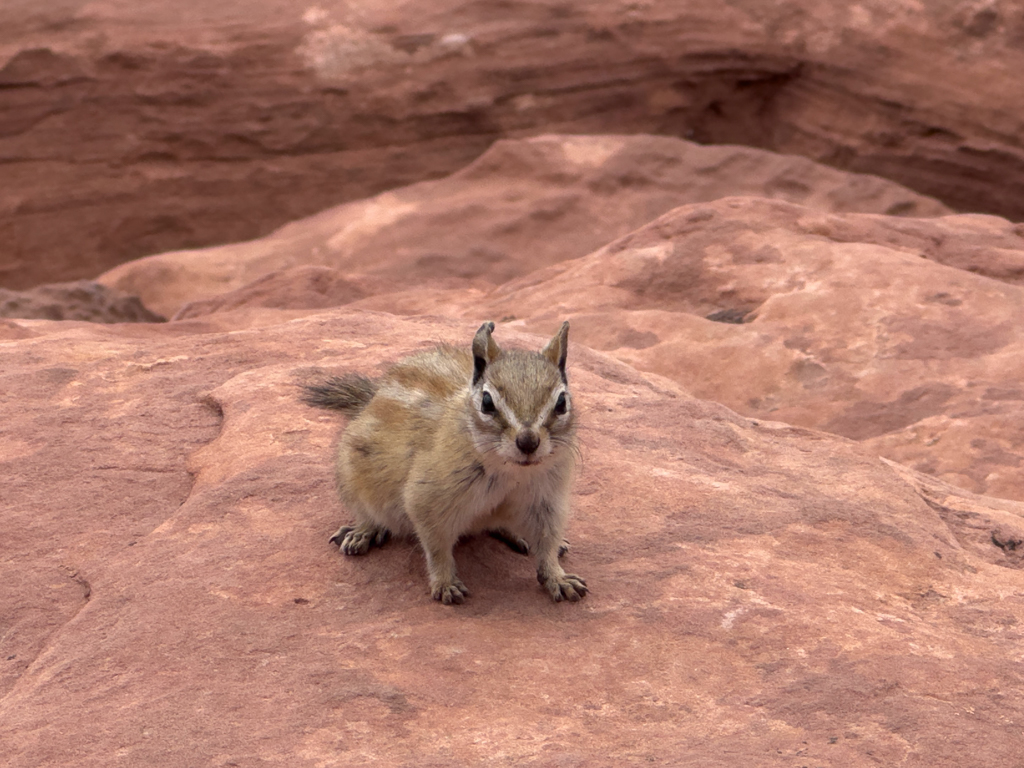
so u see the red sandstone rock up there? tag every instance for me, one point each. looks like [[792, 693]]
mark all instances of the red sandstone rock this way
[[844, 323], [522, 206], [898, 332], [305, 287], [762, 594], [138, 127], [81, 300]]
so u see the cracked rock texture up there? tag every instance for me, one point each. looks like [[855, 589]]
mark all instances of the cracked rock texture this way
[[129, 128], [762, 594]]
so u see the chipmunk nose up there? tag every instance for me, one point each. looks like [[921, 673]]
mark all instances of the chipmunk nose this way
[[527, 441]]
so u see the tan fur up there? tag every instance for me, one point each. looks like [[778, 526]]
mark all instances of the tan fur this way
[[455, 442]]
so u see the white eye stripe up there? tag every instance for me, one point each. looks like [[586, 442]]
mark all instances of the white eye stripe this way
[[509, 415], [502, 408], [553, 401]]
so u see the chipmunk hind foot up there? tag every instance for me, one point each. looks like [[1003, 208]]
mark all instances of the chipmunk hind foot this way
[[518, 544], [513, 541]]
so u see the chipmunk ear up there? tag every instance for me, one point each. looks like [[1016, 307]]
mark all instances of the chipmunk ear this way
[[485, 349], [557, 349]]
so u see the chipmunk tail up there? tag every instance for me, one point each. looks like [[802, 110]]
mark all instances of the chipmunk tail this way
[[348, 394]]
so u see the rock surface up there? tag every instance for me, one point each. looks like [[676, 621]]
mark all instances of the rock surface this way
[[762, 594], [849, 323], [901, 332], [81, 300], [521, 206], [137, 127]]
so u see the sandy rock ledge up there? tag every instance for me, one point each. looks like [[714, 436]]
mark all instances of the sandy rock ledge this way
[[762, 594]]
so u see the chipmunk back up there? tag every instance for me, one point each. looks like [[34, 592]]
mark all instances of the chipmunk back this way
[[457, 441]]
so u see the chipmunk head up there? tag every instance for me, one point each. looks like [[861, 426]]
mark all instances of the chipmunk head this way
[[522, 410]]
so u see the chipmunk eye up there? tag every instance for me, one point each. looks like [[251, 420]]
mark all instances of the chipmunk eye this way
[[560, 405], [487, 404]]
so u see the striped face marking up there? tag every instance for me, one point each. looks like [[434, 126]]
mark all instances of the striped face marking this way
[[523, 439], [490, 403], [522, 411]]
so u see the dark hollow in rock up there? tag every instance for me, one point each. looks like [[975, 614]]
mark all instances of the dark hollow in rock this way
[[735, 316], [80, 300]]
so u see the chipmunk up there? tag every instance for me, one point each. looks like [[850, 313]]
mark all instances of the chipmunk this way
[[450, 442]]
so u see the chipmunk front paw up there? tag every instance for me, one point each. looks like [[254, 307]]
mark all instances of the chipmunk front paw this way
[[357, 540], [567, 587], [454, 592]]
